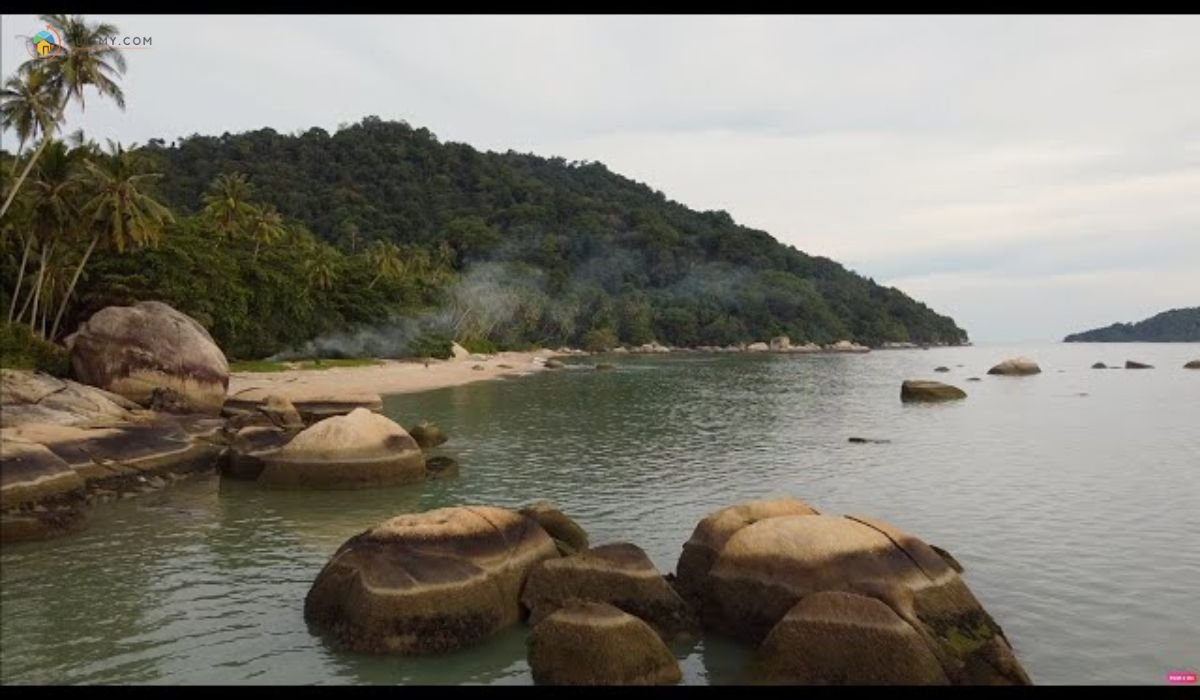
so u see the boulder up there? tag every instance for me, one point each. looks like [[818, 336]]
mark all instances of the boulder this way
[[1016, 367], [923, 390], [568, 536], [621, 350], [312, 405], [1193, 364], [597, 644], [247, 448], [1130, 364], [554, 364], [133, 350], [282, 413], [619, 574], [758, 347], [781, 343], [428, 435], [847, 346], [839, 638], [711, 534], [941, 369], [427, 583], [357, 450], [768, 567], [1099, 365], [34, 397], [974, 379], [31, 474], [459, 353]]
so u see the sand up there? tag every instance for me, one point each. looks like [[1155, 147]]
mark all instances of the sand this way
[[389, 377]]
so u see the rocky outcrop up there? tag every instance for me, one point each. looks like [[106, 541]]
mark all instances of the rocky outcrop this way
[[619, 574], [1016, 367], [312, 405], [281, 413], [769, 566], [568, 536], [427, 435], [33, 397], [357, 450], [597, 644], [845, 639], [427, 583], [924, 390], [781, 343], [847, 346], [1193, 364], [1130, 364], [40, 495], [133, 350]]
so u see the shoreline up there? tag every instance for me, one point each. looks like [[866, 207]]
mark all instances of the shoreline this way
[[391, 377]]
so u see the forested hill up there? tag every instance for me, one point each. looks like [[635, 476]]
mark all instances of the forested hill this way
[[1174, 326], [616, 254]]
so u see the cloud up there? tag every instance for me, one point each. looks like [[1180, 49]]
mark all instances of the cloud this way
[[949, 156]]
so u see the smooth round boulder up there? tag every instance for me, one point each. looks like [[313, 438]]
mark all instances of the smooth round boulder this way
[[598, 644], [839, 638], [133, 350], [767, 568], [1130, 364], [619, 574], [1016, 367], [1193, 364], [925, 390], [568, 536], [711, 534], [1099, 365], [312, 404], [427, 583], [428, 435], [360, 449]]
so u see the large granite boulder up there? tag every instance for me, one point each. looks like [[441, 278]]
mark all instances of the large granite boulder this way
[[312, 404], [1192, 364], [619, 574], [766, 568], [781, 343], [758, 347], [834, 637], [597, 644], [1016, 367], [847, 346], [429, 582], [927, 390], [357, 450], [133, 350], [568, 536], [709, 538]]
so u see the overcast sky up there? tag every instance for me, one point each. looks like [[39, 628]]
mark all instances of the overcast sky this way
[[1029, 176]]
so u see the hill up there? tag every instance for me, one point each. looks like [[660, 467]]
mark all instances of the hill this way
[[1174, 326], [613, 255]]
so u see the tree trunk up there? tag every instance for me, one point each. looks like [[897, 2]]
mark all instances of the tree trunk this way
[[20, 277], [17, 185], [256, 244], [71, 289], [37, 290]]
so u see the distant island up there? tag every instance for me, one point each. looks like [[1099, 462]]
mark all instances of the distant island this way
[[1174, 326]]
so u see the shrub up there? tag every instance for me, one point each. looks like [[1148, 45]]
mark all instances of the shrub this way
[[430, 345], [482, 346], [600, 340], [20, 348]]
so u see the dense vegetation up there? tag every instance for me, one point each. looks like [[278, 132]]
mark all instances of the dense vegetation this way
[[1174, 326], [271, 240]]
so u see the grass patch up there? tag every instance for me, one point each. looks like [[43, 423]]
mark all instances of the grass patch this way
[[339, 362], [324, 363], [257, 366]]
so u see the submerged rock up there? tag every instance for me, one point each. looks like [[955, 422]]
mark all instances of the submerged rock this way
[[864, 441], [974, 379], [441, 467], [133, 350], [428, 435], [923, 390], [1099, 365], [568, 536], [597, 644], [554, 364], [619, 574], [1016, 367], [1130, 364], [941, 369], [1193, 364], [360, 449], [604, 365], [427, 583]]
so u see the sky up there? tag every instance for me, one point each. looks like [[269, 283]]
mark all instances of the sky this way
[[1029, 176]]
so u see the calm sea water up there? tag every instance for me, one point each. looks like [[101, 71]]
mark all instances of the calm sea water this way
[[1070, 497]]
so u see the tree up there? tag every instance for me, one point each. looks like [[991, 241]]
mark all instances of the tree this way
[[321, 268], [266, 226], [87, 58], [385, 259], [227, 205], [52, 210], [28, 106], [120, 211]]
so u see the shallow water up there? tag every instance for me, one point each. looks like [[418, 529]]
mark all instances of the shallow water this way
[[1071, 498]]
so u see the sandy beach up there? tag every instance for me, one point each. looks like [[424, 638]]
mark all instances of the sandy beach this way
[[390, 376]]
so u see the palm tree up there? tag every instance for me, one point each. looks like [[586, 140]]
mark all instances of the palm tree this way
[[87, 58], [52, 209], [28, 107], [385, 258], [321, 268], [227, 204], [120, 211], [266, 226]]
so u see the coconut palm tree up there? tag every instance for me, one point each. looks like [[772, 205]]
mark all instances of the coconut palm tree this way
[[266, 226], [28, 106], [52, 208], [386, 259], [321, 268], [227, 205], [87, 58], [119, 209]]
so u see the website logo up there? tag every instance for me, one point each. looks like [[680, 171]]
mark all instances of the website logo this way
[[45, 43]]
